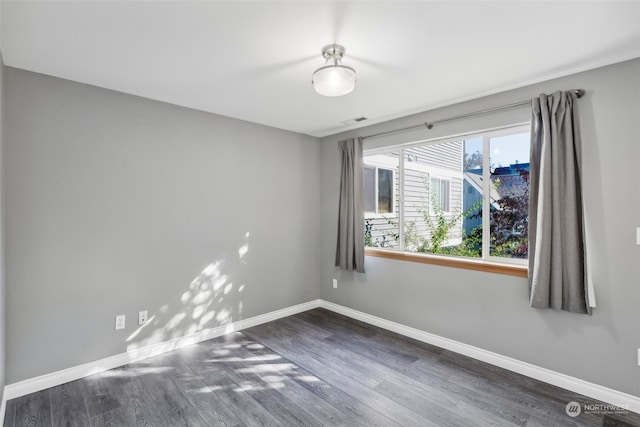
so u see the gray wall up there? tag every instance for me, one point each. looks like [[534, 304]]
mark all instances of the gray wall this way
[[116, 204], [491, 311]]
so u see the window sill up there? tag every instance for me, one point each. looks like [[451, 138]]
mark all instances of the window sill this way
[[469, 264]]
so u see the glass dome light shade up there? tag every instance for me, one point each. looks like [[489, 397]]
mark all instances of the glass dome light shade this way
[[334, 80]]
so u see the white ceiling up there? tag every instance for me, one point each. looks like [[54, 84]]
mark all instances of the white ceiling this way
[[254, 60]]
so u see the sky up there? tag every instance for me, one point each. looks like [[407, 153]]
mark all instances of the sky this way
[[505, 150]]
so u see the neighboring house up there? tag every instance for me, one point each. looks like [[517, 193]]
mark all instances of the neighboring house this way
[[433, 182], [505, 181]]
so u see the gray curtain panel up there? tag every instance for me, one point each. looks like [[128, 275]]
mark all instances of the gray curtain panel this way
[[557, 254], [350, 245]]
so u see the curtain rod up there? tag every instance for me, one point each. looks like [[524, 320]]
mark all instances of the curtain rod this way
[[429, 125]]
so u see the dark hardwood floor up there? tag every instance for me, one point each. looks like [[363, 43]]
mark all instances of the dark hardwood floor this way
[[315, 368]]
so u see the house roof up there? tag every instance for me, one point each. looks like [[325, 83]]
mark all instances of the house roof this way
[[506, 181]]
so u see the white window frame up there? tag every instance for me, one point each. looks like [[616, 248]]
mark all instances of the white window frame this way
[[486, 200], [486, 136], [377, 166]]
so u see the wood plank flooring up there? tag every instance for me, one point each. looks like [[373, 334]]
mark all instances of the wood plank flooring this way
[[316, 368]]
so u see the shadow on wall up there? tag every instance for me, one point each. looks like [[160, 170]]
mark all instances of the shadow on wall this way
[[212, 299]]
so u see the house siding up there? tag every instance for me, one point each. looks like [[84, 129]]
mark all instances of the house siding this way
[[422, 163]]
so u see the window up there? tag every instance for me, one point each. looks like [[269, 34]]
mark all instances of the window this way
[[440, 194], [464, 197], [381, 200], [378, 190]]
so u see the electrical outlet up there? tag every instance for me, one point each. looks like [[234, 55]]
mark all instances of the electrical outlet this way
[[637, 235], [142, 317], [335, 283], [639, 357], [120, 321]]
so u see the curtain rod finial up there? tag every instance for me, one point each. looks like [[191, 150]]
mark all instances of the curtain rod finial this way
[[579, 92]]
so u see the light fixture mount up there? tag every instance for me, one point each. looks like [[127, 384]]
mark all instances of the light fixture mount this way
[[334, 79], [333, 51]]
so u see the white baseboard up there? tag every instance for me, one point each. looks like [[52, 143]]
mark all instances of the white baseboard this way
[[586, 388], [577, 385], [53, 379]]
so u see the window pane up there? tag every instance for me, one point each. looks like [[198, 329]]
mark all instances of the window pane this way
[[441, 194], [445, 193], [466, 197], [369, 189], [472, 199], [509, 158], [381, 200], [385, 191], [433, 198]]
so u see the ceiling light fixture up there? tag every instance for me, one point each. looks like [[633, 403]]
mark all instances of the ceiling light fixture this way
[[335, 79]]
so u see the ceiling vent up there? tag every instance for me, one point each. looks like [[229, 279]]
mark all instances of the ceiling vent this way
[[354, 121]]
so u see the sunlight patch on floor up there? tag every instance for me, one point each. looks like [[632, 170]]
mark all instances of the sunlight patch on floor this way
[[308, 378], [263, 358], [268, 367]]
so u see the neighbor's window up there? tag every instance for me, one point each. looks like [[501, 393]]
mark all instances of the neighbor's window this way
[[378, 190], [440, 194], [381, 200], [462, 197]]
